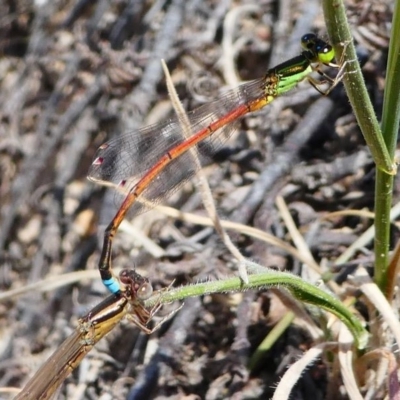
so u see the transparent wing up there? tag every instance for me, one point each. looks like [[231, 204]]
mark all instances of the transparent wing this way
[[125, 160]]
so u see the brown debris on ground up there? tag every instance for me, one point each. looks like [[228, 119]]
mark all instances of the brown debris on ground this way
[[75, 74]]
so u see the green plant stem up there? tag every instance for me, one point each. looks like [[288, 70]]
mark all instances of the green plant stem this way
[[382, 145], [384, 183], [383, 202], [272, 337], [340, 37], [301, 290]]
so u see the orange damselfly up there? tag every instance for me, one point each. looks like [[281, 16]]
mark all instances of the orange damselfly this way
[[127, 303], [152, 162]]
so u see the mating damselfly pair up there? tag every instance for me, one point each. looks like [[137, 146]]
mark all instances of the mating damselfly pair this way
[[148, 165]]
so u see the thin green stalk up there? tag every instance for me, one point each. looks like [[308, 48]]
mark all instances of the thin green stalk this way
[[301, 290], [272, 337], [384, 183], [382, 145], [383, 203], [340, 37]]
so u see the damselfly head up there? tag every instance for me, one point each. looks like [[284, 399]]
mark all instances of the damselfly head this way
[[317, 50], [308, 41], [137, 285]]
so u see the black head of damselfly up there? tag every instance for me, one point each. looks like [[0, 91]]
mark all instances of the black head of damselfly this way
[[317, 50]]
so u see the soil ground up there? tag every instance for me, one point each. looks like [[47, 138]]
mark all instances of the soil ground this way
[[74, 74]]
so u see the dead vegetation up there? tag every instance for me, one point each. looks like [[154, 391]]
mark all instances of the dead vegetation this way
[[74, 74]]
